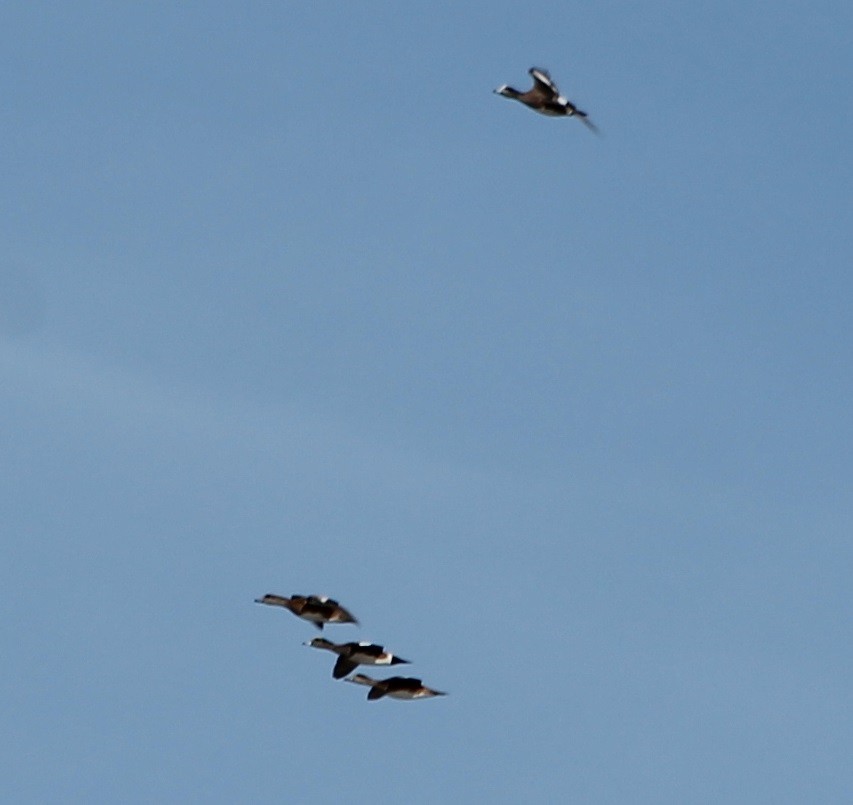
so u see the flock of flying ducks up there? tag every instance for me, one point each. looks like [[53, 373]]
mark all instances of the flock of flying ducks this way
[[320, 610], [542, 97]]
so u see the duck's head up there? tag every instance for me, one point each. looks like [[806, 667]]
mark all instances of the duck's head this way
[[275, 600], [507, 92], [319, 642], [361, 679]]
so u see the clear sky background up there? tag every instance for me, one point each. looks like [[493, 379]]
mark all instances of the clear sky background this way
[[291, 302]]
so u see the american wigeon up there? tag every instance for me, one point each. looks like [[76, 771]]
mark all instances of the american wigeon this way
[[397, 687], [314, 608], [351, 655], [545, 98]]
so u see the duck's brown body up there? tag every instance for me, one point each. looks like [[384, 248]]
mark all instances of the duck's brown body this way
[[397, 687], [319, 610], [351, 655], [545, 98]]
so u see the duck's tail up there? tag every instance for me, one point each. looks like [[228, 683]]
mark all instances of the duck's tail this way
[[584, 118]]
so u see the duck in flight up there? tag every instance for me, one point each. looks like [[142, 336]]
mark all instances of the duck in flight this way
[[397, 687], [318, 609], [545, 98], [351, 655]]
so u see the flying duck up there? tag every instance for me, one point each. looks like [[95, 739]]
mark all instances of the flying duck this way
[[351, 655], [545, 98], [397, 687], [315, 608]]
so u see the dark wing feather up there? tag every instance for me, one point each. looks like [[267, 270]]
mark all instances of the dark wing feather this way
[[342, 667], [370, 650]]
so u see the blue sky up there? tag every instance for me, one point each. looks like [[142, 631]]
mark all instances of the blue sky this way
[[291, 302]]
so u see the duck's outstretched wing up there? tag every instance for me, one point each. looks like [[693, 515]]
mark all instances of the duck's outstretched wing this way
[[542, 81], [343, 666]]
